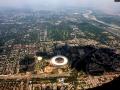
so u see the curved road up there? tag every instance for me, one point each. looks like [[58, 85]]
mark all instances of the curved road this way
[[115, 30]]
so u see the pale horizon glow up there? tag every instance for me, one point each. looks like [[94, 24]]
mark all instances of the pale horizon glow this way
[[47, 4]]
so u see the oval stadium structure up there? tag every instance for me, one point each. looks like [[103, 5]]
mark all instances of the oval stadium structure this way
[[59, 60]]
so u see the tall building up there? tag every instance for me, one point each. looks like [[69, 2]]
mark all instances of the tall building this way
[[42, 35]]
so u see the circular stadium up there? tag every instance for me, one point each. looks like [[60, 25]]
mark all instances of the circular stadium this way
[[59, 60]]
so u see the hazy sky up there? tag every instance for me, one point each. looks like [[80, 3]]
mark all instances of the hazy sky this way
[[101, 4]]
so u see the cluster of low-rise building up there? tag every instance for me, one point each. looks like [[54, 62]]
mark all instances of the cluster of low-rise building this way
[[72, 49]]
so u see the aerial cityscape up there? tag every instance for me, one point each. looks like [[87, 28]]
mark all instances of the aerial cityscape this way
[[65, 49]]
